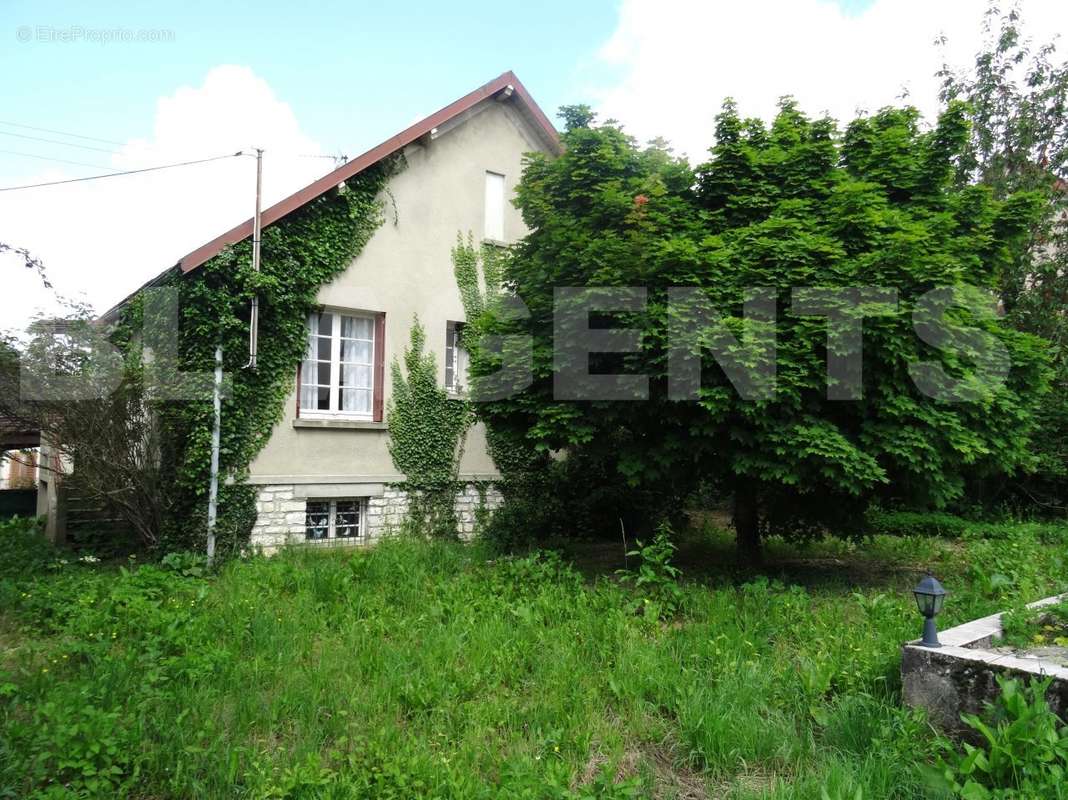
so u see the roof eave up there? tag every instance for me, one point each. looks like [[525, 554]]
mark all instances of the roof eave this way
[[376, 154]]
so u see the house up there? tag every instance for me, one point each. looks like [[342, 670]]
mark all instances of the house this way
[[18, 469], [326, 474]]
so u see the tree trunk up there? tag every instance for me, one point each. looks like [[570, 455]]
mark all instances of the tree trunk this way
[[747, 526]]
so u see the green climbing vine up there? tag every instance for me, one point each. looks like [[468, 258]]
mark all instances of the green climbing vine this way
[[479, 273], [300, 253], [427, 429]]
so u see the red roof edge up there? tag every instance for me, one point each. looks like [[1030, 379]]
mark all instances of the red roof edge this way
[[372, 157]]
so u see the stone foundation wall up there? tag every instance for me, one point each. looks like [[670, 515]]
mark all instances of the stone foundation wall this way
[[280, 515]]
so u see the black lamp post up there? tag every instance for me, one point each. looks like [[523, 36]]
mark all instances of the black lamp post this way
[[930, 597]]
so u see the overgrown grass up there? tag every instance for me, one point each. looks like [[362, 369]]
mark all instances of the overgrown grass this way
[[1025, 628], [428, 669]]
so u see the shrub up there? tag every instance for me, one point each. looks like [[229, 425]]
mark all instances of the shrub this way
[[938, 524], [1024, 749], [23, 548], [915, 523]]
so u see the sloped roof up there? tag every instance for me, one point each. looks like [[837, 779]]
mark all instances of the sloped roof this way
[[505, 86], [504, 83]]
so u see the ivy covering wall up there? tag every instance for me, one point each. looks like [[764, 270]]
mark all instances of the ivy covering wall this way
[[427, 429], [479, 273], [300, 253]]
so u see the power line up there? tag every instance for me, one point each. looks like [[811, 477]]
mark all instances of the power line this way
[[61, 133], [49, 158], [118, 174], [56, 141]]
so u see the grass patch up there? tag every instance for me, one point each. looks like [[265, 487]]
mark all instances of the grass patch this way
[[1024, 627], [432, 670]]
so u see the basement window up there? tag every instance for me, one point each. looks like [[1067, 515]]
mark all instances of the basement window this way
[[326, 520]]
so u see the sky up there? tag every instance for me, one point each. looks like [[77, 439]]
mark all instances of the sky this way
[[147, 84]]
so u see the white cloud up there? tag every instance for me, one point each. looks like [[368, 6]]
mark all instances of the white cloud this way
[[680, 58], [103, 239]]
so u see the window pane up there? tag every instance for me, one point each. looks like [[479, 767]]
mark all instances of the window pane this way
[[324, 349], [317, 520], [324, 398], [324, 374], [461, 366], [347, 519], [356, 350], [357, 401], [307, 397], [326, 324], [356, 377], [357, 328]]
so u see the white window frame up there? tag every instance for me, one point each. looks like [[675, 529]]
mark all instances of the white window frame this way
[[335, 412], [495, 198], [331, 504], [454, 347]]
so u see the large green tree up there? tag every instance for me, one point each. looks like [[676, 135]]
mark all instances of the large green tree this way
[[777, 216], [1018, 93]]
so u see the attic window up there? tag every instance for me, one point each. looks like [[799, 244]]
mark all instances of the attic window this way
[[494, 223]]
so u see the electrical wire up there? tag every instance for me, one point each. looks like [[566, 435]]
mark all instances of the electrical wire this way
[[56, 141], [61, 133], [119, 174], [50, 158]]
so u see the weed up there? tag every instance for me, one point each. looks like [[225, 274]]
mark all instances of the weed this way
[[656, 578]]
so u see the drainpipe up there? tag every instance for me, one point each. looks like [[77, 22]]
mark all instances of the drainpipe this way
[[253, 347], [254, 312], [213, 488]]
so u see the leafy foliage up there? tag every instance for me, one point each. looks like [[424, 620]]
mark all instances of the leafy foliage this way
[[300, 253], [426, 433], [1018, 93], [1036, 627], [790, 205], [949, 526], [656, 578], [1024, 749]]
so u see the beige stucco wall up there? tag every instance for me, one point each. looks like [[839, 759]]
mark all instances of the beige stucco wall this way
[[405, 270]]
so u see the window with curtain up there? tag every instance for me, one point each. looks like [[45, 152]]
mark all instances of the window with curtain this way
[[455, 358], [337, 376]]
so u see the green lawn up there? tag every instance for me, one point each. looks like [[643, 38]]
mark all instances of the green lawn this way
[[433, 670]]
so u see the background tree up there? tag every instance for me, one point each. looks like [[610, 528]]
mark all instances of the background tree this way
[[1018, 94], [89, 405], [790, 205]]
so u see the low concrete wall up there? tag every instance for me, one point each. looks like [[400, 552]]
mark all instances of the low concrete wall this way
[[959, 677]]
